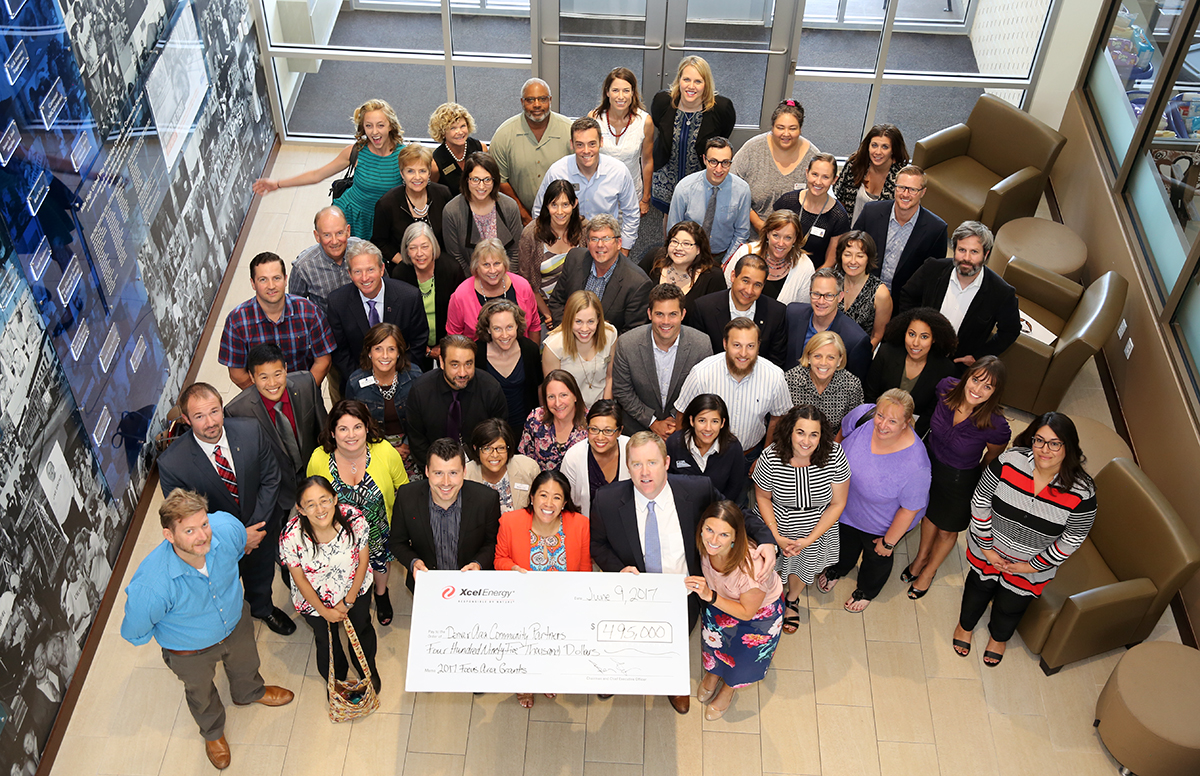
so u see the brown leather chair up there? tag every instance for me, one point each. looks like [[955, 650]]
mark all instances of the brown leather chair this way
[[1112, 591], [992, 169], [1039, 374]]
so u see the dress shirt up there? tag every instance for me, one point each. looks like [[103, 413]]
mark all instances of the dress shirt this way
[[180, 608], [958, 300], [610, 190], [897, 238], [750, 400], [377, 299], [664, 366], [207, 449], [445, 524], [731, 226], [523, 159], [736, 313], [594, 282], [315, 274], [269, 406], [670, 537], [701, 459], [302, 333]]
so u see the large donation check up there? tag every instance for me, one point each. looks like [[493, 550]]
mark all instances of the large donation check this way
[[503, 631]]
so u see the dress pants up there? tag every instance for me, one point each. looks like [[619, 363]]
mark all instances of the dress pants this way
[[257, 569], [1007, 607], [360, 618], [240, 655], [875, 568]]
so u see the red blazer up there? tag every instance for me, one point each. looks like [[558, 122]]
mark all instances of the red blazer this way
[[512, 543]]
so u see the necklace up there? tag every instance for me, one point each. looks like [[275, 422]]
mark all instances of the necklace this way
[[418, 213], [694, 115], [455, 156], [673, 275], [617, 135], [390, 391]]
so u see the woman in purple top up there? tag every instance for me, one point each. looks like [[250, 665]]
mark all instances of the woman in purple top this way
[[889, 488], [966, 425]]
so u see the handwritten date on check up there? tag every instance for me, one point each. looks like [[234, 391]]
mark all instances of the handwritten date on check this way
[[503, 631]]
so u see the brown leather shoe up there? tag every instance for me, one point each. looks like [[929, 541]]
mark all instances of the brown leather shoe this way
[[681, 703], [274, 696], [218, 753]]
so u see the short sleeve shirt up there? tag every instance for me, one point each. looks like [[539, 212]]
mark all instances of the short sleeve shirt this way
[[329, 567]]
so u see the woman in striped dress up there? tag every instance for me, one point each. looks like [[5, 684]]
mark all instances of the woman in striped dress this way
[[1033, 507], [803, 479]]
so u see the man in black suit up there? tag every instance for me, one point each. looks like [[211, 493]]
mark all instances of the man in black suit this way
[[372, 297], [288, 408], [230, 461], [823, 315], [453, 400], [622, 286], [977, 302], [744, 298], [445, 523], [918, 233], [625, 513]]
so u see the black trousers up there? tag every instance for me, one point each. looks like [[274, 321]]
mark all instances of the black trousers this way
[[875, 568], [257, 570], [360, 618], [1007, 607]]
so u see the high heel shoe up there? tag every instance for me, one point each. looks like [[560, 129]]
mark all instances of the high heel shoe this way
[[383, 608], [907, 575]]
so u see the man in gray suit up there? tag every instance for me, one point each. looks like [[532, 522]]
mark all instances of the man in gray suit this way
[[651, 362], [602, 268], [288, 408]]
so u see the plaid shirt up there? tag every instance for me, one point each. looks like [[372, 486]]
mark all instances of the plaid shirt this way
[[302, 333]]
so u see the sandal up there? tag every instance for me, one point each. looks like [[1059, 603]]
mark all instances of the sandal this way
[[383, 608], [825, 584], [525, 699], [992, 659], [790, 623], [961, 648], [907, 575], [855, 597], [915, 594]]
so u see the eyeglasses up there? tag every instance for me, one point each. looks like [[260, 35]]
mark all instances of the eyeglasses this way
[[535, 100], [600, 240], [827, 297], [677, 243], [479, 181], [499, 447], [1054, 444], [909, 189], [606, 432], [324, 503], [723, 164]]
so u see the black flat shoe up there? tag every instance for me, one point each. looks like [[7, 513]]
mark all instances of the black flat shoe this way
[[906, 575], [383, 608], [280, 622]]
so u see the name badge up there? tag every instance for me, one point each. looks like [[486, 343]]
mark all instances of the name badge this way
[[817, 231], [575, 186], [368, 380], [682, 465], [449, 168], [798, 186], [520, 486]]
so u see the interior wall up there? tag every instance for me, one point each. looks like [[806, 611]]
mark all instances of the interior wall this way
[[1068, 47]]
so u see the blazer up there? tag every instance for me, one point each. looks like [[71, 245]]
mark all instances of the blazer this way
[[412, 534], [887, 370], [308, 407], [727, 470], [392, 217], [574, 467], [512, 543], [616, 541], [255, 466], [429, 401], [447, 276], [709, 281], [992, 322], [531, 358], [635, 374], [709, 314], [928, 238], [858, 344], [402, 306], [625, 297], [718, 121], [460, 235], [521, 471]]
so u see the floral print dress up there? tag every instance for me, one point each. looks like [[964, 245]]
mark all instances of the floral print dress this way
[[740, 651]]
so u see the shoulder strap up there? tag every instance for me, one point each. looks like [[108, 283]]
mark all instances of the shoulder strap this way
[[864, 418], [353, 158]]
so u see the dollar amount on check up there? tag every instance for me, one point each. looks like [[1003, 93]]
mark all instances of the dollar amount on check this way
[[503, 631]]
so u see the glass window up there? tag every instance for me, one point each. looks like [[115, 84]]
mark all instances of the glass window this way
[[1187, 329], [835, 132], [481, 27]]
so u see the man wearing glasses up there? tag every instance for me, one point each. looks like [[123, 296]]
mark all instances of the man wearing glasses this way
[[525, 145], [822, 314], [905, 233], [601, 268], [715, 199]]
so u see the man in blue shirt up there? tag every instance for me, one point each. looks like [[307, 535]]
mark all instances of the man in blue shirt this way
[[187, 596], [716, 199]]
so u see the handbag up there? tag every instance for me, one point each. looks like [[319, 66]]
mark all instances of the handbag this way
[[176, 426], [343, 184], [350, 699]]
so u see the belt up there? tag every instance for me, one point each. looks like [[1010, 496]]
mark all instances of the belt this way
[[186, 652]]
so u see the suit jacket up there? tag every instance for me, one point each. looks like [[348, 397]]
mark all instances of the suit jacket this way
[[512, 543], [710, 313], [992, 322], [184, 465], [927, 240], [719, 120], [429, 401], [887, 370], [447, 276], [625, 297], [392, 217], [412, 534], [402, 306], [858, 344], [616, 542], [635, 376], [309, 409]]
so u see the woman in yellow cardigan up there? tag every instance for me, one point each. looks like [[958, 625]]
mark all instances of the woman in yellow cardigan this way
[[365, 470]]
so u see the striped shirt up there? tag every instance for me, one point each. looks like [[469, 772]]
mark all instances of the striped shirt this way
[[751, 400], [445, 524], [897, 238], [1042, 529], [302, 333], [315, 275]]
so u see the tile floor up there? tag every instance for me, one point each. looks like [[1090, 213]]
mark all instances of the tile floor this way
[[877, 693]]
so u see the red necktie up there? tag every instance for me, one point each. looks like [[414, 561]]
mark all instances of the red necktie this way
[[226, 473]]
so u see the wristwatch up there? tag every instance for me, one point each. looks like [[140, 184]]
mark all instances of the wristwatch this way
[[886, 546], [349, 604]]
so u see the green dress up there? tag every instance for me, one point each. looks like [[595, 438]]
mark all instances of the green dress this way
[[374, 176]]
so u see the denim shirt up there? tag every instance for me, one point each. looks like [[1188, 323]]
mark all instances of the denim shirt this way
[[370, 395]]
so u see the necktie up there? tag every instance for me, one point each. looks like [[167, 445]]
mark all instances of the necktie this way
[[372, 315], [288, 436], [454, 417], [226, 474], [653, 547], [710, 212]]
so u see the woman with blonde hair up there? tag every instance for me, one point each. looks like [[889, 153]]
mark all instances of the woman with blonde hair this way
[[781, 245], [583, 346], [822, 380], [418, 199], [374, 155], [452, 125]]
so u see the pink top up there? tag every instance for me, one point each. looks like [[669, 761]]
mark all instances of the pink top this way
[[463, 311], [736, 582]]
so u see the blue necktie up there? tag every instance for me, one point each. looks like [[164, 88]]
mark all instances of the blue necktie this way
[[372, 316], [653, 546]]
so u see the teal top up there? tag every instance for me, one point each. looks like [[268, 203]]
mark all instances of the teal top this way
[[374, 176]]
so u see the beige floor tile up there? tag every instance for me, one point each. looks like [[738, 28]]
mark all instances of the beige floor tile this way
[[848, 745], [616, 729], [835, 598], [377, 745], [256, 724], [280, 200], [840, 658], [290, 244], [317, 745], [788, 719], [937, 614], [961, 727], [564, 708], [1070, 699], [1083, 764], [141, 723], [77, 755], [742, 715], [674, 742], [898, 690], [794, 652], [496, 741], [899, 759], [1014, 687], [186, 758], [554, 748], [1022, 743], [440, 723], [392, 660], [427, 764], [731, 753], [611, 769], [892, 616]]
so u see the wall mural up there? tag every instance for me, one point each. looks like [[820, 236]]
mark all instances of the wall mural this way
[[130, 131]]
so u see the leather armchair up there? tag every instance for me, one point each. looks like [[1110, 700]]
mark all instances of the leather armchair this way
[[1112, 591], [992, 169], [1083, 320]]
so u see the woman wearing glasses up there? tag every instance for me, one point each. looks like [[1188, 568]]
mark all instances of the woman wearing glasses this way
[[498, 465], [480, 212], [686, 261], [600, 460], [1033, 507]]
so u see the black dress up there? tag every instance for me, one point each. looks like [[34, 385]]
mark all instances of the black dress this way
[[449, 173], [521, 386]]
